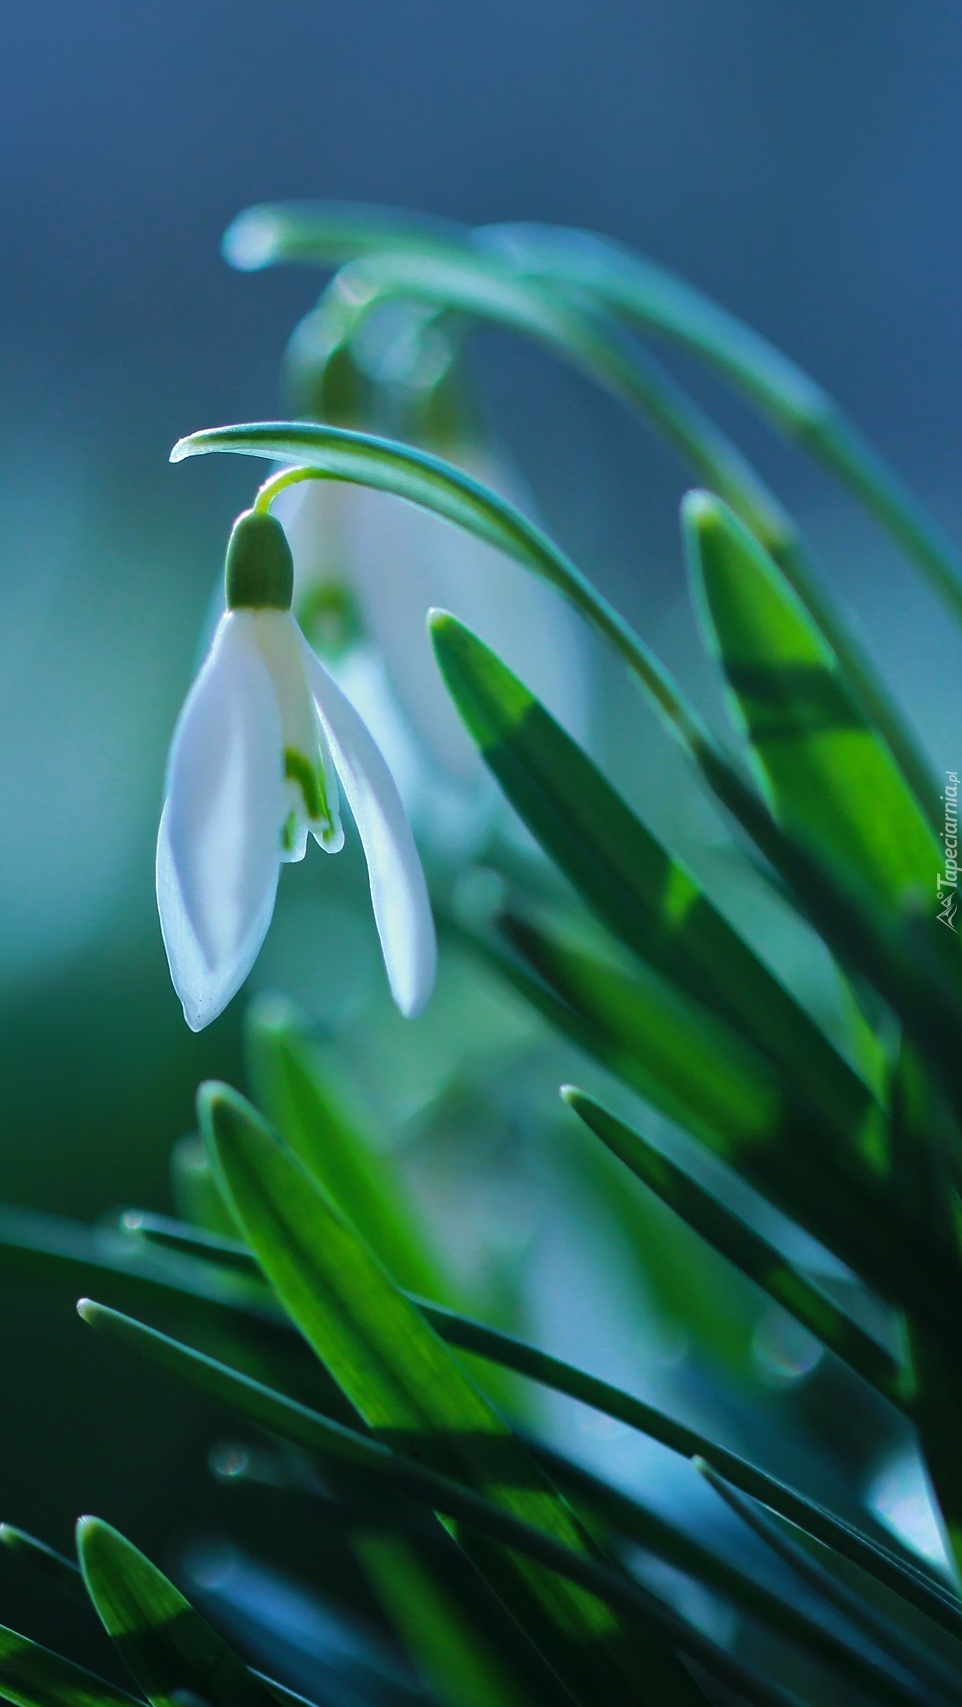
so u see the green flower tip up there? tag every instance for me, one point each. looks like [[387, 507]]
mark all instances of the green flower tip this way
[[259, 569], [570, 1094], [87, 1310]]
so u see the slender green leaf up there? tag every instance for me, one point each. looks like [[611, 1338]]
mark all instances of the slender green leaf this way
[[889, 1636], [403, 1380], [649, 900], [648, 296], [405, 1476], [32, 1676], [578, 333], [231, 1313], [833, 783], [280, 1415], [168, 1646], [746, 1249], [692, 1066], [306, 1428], [51, 1259], [654, 299], [44, 1559], [314, 1119]]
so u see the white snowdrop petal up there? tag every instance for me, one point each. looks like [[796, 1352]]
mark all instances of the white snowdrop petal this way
[[218, 852], [402, 911]]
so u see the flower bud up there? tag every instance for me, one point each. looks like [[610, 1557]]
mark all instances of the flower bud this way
[[259, 568]]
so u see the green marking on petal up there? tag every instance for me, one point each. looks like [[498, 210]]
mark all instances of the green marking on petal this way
[[288, 832], [310, 780]]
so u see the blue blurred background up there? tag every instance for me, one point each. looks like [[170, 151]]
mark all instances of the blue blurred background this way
[[800, 163]]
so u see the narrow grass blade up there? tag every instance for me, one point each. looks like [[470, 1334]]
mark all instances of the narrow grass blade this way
[[690, 1065], [51, 1564], [404, 1381], [887, 1635], [330, 232], [649, 900], [581, 334], [294, 1422], [229, 1312], [493, 1345], [747, 1250], [919, 1138], [315, 1122], [194, 1191], [168, 1646], [33, 1676], [279, 1415], [653, 299], [832, 781]]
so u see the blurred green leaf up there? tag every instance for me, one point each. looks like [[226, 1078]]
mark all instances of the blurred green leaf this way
[[833, 783], [167, 1645], [654, 299], [194, 1189], [747, 1250], [918, 1148], [408, 1387], [581, 269], [314, 1119], [32, 1676], [461, 1667], [647, 296]]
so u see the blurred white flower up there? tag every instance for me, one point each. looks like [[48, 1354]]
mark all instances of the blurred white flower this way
[[397, 561], [262, 740]]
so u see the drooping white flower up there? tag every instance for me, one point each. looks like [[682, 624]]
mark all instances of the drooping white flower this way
[[262, 741]]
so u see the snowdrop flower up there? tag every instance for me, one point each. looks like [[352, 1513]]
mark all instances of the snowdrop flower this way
[[261, 743]]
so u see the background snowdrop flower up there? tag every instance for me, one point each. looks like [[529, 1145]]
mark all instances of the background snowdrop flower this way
[[398, 561], [262, 741], [369, 566]]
